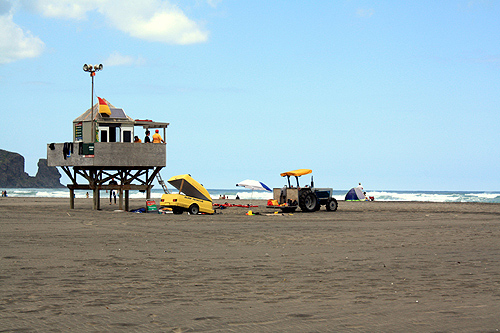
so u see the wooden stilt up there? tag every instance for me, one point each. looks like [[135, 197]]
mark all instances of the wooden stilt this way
[[127, 200], [121, 199], [71, 198], [96, 198]]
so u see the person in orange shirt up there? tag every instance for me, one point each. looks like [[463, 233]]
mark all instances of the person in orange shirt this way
[[157, 137]]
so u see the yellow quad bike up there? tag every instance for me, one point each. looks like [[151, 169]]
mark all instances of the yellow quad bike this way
[[194, 198], [308, 198]]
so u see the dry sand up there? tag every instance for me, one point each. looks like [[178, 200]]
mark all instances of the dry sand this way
[[374, 266]]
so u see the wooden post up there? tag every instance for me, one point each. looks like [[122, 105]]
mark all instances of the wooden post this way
[[71, 198], [126, 200], [121, 198], [95, 189], [95, 195], [98, 199]]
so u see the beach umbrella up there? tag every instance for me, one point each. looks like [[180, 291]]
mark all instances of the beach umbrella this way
[[254, 185]]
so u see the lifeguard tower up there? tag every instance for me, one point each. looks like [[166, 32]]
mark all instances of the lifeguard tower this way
[[112, 153]]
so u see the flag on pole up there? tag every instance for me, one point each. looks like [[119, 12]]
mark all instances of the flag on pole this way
[[103, 106]]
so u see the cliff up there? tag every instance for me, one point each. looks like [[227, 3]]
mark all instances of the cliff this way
[[12, 174]]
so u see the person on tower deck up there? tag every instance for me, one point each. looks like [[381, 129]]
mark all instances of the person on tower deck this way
[[146, 138], [157, 137]]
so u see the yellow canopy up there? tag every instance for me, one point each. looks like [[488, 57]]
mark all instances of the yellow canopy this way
[[296, 173], [190, 187]]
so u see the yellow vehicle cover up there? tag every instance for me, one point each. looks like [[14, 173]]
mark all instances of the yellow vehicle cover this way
[[190, 187], [296, 173]]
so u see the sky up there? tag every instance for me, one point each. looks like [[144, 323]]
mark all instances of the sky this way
[[397, 95]]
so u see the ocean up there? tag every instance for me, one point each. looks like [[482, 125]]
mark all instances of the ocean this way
[[379, 195]]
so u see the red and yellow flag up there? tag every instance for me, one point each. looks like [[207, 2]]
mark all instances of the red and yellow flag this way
[[103, 106]]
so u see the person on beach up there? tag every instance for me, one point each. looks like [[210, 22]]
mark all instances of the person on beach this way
[[112, 192], [157, 137], [147, 138], [136, 139]]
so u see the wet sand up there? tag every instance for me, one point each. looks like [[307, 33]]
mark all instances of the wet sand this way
[[371, 266]]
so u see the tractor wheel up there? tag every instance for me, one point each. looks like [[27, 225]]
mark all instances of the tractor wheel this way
[[308, 202], [194, 209], [302, 199], [332, 205], [177, 210]]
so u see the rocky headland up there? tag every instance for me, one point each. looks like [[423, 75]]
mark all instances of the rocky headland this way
[[12, 174]]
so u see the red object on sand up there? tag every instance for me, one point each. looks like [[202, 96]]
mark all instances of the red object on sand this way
[[232, 205]]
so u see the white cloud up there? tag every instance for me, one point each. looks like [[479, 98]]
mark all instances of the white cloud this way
[[67, 9], [117, 59], [152, 20], [15, 43]]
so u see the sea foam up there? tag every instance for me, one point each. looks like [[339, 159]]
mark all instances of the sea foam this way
[[422, 196]]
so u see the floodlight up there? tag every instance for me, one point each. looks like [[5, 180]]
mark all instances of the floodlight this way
[[86, 68], [100, 67]]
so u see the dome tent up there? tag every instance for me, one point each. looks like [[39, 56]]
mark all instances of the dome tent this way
[[355, 194]]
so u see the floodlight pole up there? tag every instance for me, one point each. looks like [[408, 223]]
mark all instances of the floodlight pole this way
[[92, 70], [92, 74]]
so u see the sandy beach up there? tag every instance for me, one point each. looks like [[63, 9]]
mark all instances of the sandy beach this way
[[371, 266]]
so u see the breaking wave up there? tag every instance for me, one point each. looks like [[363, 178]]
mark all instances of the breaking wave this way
[[423, 196]]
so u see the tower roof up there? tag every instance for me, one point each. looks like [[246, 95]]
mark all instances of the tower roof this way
[[117, 115]]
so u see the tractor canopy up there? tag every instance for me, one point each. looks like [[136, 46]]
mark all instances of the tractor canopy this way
[[190, 187], [296, 173]]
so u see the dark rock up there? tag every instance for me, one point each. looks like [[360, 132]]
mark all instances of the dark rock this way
[[12, 174], [46, 176]]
